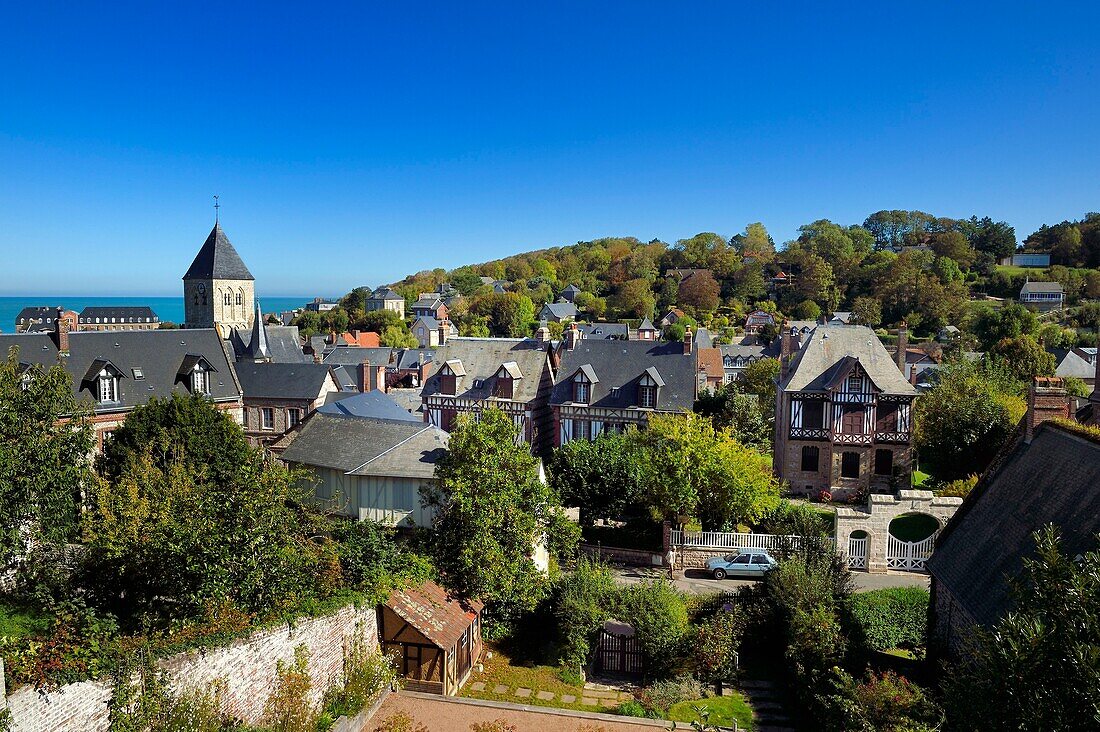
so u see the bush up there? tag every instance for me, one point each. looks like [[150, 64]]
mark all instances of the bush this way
[[717, 640], [793, 519], [366, 675], [958, 488], [659, 616], [288, 708], [662, 695], [582, 605], [895, 617]]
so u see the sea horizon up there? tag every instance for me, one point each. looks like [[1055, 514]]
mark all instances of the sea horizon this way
[[168, 308]]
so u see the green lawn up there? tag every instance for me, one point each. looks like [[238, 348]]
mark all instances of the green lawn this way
[[17, 622], [724, 710], [500, 670]]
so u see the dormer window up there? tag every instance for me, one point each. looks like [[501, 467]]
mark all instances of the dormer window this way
[[449, 375], [505, 380], [648, 387], [108, 387], [200, 380], [582, 388]]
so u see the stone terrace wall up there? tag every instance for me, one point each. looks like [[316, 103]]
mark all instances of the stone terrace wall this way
[[247, 668]]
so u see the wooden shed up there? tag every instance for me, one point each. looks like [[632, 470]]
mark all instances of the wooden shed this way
[[434, 637]]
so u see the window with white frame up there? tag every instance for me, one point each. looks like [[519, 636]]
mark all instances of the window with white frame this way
[[200, 380], [582, 388], [267, 418], [582, 429], [108, 387], [293, 417], [647, 392]]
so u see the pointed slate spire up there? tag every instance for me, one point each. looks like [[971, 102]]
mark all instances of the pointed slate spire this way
[[257, 346], [218, 260]]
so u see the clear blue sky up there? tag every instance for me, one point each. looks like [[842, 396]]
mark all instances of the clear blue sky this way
[[355, 144]]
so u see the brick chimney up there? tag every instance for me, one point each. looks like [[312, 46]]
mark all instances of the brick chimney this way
[[687, 341], [903, 344], [786, 347], [542, 334], [61, 327], [1046, 400], [572, 336], [444, 328]]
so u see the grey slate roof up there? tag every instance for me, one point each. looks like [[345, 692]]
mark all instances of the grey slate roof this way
[[558, 311], [427, 303], [411, 358], [355, 355], [284, 344], [646, 324], [217, 259], [1054, 480], [482, 357], [385, 293], [282, 380], [37, 312], [607, 331], [346, 379], [1071, 364], [372, 404], [1040, 287], [621, 364], [362, 446], [829, 347], [703, 338], [121, 314], [158, 354]]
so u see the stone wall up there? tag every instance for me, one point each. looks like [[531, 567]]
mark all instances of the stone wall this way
[[246, 667], [629, 557], [880, 511]]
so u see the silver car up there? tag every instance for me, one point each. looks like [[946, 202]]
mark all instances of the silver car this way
[[749, 564]]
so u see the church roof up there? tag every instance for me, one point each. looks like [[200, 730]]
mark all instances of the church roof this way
[[217, 260]]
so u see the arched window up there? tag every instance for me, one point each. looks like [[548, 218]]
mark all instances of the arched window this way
[[240, 298]]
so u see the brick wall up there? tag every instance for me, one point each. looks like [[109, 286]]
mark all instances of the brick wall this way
[[247, 667]]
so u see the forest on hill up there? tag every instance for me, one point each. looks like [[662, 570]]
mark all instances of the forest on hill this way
[[895, 266]]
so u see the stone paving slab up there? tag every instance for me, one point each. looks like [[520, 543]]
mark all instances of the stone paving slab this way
[[500, 689], [602, 694], [523, 693], [545, 695], [477, 686], [609, 703], [568, 698], [589, 701]]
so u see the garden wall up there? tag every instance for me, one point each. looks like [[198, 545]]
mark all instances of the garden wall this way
[[246, 667], [619, 555]]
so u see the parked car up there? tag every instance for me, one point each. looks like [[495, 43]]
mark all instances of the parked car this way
[[750, 564]]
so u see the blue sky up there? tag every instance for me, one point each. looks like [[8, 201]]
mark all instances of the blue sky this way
[[353, 144]]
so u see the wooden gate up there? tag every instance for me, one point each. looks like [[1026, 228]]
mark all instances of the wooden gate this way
[[618, 654], [857, 553], [908, 556]]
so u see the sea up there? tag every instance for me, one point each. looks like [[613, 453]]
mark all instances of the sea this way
[[168, 309]]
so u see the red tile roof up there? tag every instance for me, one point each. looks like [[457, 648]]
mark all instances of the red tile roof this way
[[430, 609], [366, 339]]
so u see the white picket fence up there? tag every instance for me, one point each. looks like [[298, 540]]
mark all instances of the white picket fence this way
[[908, 555], [730, 540]]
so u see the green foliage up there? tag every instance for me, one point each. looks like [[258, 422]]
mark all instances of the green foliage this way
[[743, 414], [693, 469], [895, 617], [659, 617], [1023, 358], [491, 510], [634, 708], [1038, 667], [760, 378], [367, 673], [795, 519], [75, 646], [886, 702], [660, 696], [373, 561], [140, 695], [509, 314], [288, 707], [958, 488], [43, 459], [993, 325], [715, 645], [396, 336], [600, 476], [18, 620], [582, 602], [961, 423]]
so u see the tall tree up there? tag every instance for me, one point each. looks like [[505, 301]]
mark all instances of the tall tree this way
[[45, 441], [891, 228], [700, 291], [598, 476]]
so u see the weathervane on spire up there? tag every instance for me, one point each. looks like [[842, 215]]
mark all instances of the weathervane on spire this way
[[216, 207]]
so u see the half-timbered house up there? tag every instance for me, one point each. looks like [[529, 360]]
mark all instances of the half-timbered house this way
[[610, 385], [843, 413], [468, 375]]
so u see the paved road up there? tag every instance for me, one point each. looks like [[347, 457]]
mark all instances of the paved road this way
[[700, 582]]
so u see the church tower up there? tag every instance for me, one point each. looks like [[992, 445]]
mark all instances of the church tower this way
[[218, 290]]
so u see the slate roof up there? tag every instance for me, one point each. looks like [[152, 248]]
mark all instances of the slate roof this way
[[441, 618], [703, 338], [825, 351], [481, 357], [353, 356], [37, 312], [753, 350], [572, 289], [284, 344], [410, 358], [558, 311], [427, 303], [158, 354], [139, 313], [346, 379], [1040, 287], [646, 324], [621, 364], [364, 446], [1073, 365], [217, 259], [1054, 480], [372, 404], [385, 293], [282, 380], [609, 331]]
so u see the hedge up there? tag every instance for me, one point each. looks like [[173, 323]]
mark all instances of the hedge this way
[[896, 617]]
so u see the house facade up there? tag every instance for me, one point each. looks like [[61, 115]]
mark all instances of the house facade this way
[[607, 386], [1043, 296], [736, 357], [431, 332], [430, 305], [277, 397], [386, 299], [557, 312], [118, 371], [468, 375], [843, 413]]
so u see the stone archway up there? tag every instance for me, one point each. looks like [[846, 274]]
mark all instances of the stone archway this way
[[880, 512]]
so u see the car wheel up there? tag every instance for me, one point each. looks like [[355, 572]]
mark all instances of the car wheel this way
[[719, 574]]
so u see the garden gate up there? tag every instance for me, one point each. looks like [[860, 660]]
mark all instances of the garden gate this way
[[857, 553], [618, 654], [909, 556]]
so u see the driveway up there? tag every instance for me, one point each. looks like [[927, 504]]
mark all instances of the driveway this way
[[700, 582]]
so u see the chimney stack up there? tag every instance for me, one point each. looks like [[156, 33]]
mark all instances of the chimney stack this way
[[1046, 399], [364, 377], [903, 344], [572, 336], [61, 327], [787, 334], [687, 341], [444, 327], [542, 335]]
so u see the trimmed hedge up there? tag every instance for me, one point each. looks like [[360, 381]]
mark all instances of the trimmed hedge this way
[[896, 617]]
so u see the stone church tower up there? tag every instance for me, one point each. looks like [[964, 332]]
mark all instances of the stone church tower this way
[[218, 290]]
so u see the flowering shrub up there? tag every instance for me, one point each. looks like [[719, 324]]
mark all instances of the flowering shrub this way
[[825, 496]]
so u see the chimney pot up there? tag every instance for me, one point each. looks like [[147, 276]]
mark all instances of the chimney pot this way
[[687, 341]]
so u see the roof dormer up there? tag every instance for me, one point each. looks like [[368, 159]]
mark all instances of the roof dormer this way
[[649, 388], [450, 374], [505, 379], [103, 377], [583, 379], [195, 371]]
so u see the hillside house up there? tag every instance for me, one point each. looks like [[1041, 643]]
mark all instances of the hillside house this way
[[278, 396], [1043, 296]]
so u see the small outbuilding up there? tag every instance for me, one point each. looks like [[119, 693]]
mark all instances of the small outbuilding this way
[[435, 638]]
